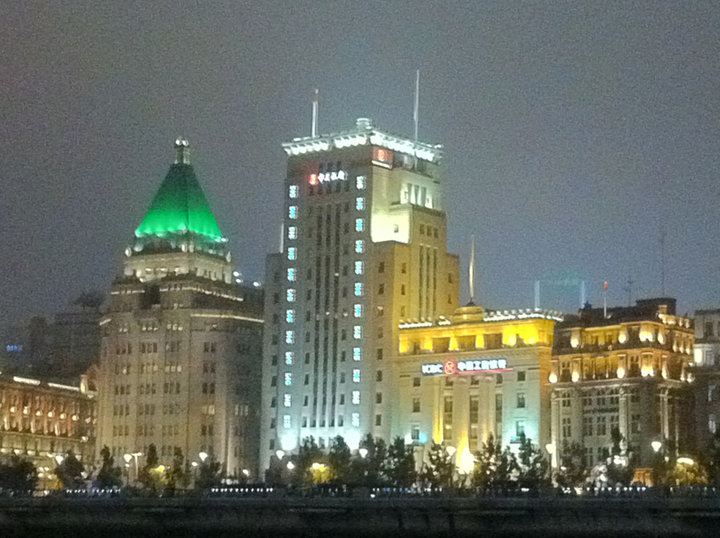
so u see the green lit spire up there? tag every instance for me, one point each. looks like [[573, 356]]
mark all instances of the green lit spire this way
[[180, 206]]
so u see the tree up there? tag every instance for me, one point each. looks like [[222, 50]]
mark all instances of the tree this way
[[18, 475], [713, 459], [400, 464], [618, 467], [339, 458], [439, 470], [532, 465], [308, 453], [368, 470], [70, 471], [150, 477], [573, 470], [176, 475], [208, 473], [493, 465], [108, 476]]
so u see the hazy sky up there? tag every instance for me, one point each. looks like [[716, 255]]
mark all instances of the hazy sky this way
[[574, 132]]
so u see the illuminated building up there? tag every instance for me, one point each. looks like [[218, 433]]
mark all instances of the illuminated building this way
[[364, 248], [627, 369], [707, 374], [476, 373], [181, 341], [41, 420]]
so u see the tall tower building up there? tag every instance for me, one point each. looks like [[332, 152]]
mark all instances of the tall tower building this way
[[364, 249], [181, 341]]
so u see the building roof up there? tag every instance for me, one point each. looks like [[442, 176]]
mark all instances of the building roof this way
[[180, 205]]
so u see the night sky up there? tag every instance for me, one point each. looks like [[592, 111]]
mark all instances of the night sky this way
[[575, 133]]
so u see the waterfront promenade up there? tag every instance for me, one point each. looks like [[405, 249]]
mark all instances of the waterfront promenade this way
[[342, 516]]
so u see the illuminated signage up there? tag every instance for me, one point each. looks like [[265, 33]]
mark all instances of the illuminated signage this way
[[465, 366], [383, 157], [324, 177]]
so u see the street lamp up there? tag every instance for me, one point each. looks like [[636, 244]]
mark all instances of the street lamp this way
[[203, 456], [280, 454], [656, 446], [290, 466], [363, 452]]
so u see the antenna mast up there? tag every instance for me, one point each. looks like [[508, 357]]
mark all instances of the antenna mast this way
[[315, 113], [471, 270], [416, 109]]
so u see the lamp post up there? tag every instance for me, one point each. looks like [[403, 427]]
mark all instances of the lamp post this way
[[132, 456], [657, 462]]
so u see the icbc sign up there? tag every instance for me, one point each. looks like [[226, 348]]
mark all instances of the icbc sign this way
[[324, 177], [466, 366]]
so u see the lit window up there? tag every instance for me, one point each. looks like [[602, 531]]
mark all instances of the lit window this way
[[359, 246], [292, 253], [357, 310], [293, 191], [360, 182], [357, 332], [292, 211], [290, 316], [355, 420], [291, 274], [291, 295], [292, 232], [286, 421], [357, 354], [287, 400], [356, 375], [288, 379], [289, 337], [289, 357], [358, 289], [359, 204], [359, 225], [356, 397], [359, 268]]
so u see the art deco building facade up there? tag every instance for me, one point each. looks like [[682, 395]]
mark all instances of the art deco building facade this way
[[707, 374], [40, 420], [629, 369], [460, 379], [364, 248], [181, 341]]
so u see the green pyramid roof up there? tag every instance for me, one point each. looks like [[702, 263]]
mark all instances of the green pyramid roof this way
[[180, 205]]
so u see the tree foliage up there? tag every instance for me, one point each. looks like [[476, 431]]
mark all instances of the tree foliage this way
[[18, 475], [572, 470], [339, 459], [70, 471], [108, 476], [400, 464], [495, 466], [439, 470]]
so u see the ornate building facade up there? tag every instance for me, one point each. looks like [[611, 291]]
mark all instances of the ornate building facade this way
[[626, 369], [181, 340]]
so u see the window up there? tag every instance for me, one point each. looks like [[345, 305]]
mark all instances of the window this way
[[355, 420], [358, 289], [519, 428], [292, 232], [291, 274], [342, 377], [357, 332], [359, 268], [587, 426], [359, 246], [289, 357], [415, 432], [286, 421], [416, 381], [521, 400], [273, 381], [292, 211], [290, 316], [379, 355], [289, 337], [378, 420], [379, 375], [288, 379], [293, 191], [356, 375], [357, 354], [359, 203], [359, 225], [416, 405], [381, 289], [292, 253], [521, 375], [287, 400], [601, 426], [291, 295], [378, 397], [355, 397], [360, 182], [357, 310]]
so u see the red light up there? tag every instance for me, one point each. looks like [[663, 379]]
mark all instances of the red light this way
[[313, 179]]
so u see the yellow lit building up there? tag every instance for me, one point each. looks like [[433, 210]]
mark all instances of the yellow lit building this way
[[459, 379], [629, 369]]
